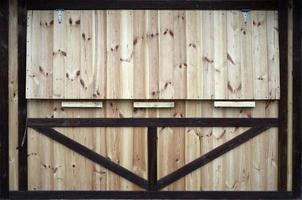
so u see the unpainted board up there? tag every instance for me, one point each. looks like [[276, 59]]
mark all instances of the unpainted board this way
[[251, 166], [150, 54]]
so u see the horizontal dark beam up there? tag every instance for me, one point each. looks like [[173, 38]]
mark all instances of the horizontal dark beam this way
[[210, 156], [151, 122], [155, 4], [150, 194], [93, 156]]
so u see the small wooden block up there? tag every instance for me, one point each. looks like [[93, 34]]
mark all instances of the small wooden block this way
[[82, 104], [153, 104], [234, 104]]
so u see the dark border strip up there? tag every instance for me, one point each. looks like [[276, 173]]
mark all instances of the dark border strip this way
[[22, 104], [283, 107], [297, 98], [150, 195], [152, 157], [210, 156], [4, 167], [149, 4], [93, 156], [151, 122]]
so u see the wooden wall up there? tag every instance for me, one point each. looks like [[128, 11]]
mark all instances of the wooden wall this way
[[152, 55], [96, 181], [252, 166]]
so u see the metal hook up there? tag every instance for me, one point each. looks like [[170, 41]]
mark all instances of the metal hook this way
[[60, 15], [245, 15]]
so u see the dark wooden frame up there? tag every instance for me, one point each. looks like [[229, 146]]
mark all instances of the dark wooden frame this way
[[152, 183], [4, 167], [297, 97], [279, 5]]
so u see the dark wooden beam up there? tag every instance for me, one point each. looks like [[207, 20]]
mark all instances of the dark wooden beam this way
[[93, 156], [150, 195], [283, 107], [210, 156], [151, 122], [297, 97], [152, 157], [153, 4], [4, 168], [22, 104]]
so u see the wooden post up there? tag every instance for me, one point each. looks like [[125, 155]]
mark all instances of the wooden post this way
[[22, 104], [297, 97], [282, 133], [152, 157], [4, 99]]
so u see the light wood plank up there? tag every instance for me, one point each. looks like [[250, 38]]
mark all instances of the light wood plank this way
[[234, 104], [153, 104], [207, 52], [234, 84], [73, 87], [260, 55], [126, 55], [82, 104], [193, 49], [166, 49], [220, 54]]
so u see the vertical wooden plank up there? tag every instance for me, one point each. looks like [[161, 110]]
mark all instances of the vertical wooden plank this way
[[40, 150], [290, 120], [193, 49], [219, 165], [59, 156], [46, 156], [72, 78], [297, 22], [232, 158], [258, 174], [192, 145], [59, 57], [33, 153], [152, 54], [220, 54], [273, 55], [88, 65], [179, 144], [171, 143], [207, 62], [260, 55], [4, 102], [140, 162], [283, 103], [99, 90], [152, 156], [13, 95], [271, 110], [246, 59], [179, 54], [126, 139], [126, 54], [234, 84], [22, 104], [99, 146], [245, 166], [206, 145], [141, 75], [39, 62], [113, 49], [166, 51]]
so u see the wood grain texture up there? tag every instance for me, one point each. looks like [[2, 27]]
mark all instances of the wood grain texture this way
[[150, 54], [59, 168], [13, 95]]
